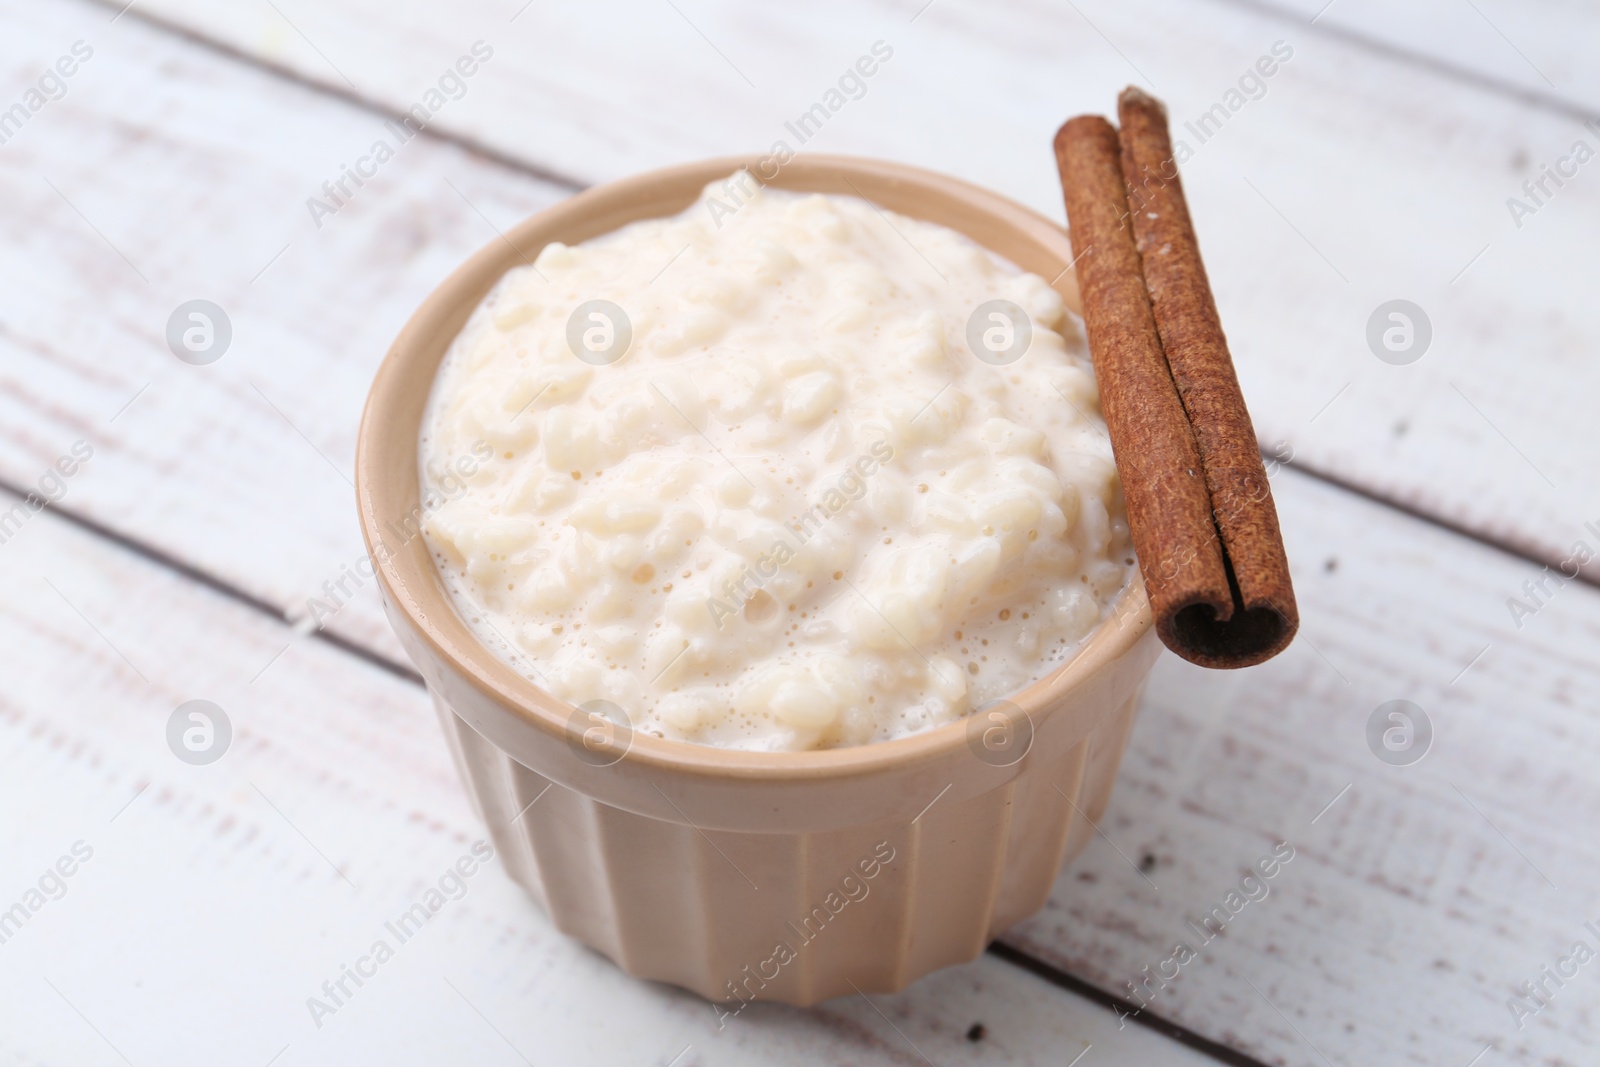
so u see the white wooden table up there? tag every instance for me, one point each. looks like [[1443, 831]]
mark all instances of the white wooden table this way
[[1418, 499]]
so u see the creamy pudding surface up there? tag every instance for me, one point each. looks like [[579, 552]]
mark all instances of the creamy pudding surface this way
[[782, 472]]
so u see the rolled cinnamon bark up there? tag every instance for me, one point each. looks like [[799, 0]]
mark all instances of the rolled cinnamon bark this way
[[1169, 508], [1211, 608], [1264, 616]]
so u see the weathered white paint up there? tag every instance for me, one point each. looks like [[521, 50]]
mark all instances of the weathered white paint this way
[[1406, 920], [1396, 934], [1535, 46], [197, 169]]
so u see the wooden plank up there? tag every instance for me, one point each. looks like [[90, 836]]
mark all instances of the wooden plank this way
[[1536, 47], [1419, 900], [216, 899], [197, 169], [1356, 179]]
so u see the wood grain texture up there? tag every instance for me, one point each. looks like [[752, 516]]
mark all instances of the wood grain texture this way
[[1535, 46], [1419, 902], [1359, 177], [218, 898], [1404, 922], [197, 169]]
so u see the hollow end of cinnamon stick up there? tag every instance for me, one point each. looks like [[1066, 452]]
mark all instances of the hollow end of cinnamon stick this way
[[1243, 636]]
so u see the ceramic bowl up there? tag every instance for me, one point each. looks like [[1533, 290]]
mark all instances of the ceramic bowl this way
[[749, 875]]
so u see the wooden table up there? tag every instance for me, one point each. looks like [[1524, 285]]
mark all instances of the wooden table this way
[[1421, 499]]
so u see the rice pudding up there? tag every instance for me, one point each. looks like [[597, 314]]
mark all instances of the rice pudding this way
[[782, 472]]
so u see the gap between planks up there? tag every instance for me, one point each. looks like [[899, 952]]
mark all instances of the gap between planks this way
[[1125, 1009], [1442, 67], [1264, 8], [350, 97], [161, 558], [1479, 537]]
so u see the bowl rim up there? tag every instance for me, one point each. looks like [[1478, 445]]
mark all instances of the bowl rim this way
[[415, 592]]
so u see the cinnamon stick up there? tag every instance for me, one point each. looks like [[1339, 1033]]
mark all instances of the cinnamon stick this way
[[1169, 508], [1212, 558]]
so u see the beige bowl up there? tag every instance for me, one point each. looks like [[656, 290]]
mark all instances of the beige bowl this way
[[746, 875]]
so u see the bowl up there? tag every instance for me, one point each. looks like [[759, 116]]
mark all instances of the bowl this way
[[742, 875]]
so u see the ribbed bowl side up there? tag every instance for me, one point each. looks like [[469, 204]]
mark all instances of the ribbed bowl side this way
[[1043, 828], [500, 789], [793, 917], [1106, 748], [1057, 812]]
